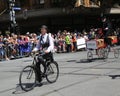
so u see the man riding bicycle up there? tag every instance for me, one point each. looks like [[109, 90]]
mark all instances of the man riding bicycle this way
[[107, 30], [46, 44]]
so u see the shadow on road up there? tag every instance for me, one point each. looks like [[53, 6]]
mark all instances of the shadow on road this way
[[81, 61], [114, 76], [18, 89], [87, 60]]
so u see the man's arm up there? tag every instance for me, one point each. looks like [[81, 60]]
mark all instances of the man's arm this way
[[51, 45]]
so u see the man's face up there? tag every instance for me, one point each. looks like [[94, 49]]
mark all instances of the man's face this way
[[43, 31]]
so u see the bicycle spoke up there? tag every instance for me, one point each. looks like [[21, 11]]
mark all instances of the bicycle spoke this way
[[27, 78], [52, 72]]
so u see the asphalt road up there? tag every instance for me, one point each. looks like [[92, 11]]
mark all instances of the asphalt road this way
[[78, 77]]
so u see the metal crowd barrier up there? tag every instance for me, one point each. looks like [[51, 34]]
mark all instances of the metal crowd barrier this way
[[12, 51]]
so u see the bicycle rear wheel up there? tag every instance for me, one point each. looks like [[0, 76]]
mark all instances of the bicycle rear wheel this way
[[105, 53], [100, 53], [27, 79], [52, 72], [116, 53]]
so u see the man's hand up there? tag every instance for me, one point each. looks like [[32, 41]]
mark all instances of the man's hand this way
[[46, 51], [35, 50], [106, 28]]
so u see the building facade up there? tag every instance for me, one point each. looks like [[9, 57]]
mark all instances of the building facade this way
[[58, 14]]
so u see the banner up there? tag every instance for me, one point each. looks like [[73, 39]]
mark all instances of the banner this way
[[81, 43]]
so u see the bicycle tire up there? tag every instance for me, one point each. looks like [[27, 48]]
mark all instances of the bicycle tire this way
[[105, 53], [116, 53], [50, 71], [89, 55], [26, 86], [100, 53]]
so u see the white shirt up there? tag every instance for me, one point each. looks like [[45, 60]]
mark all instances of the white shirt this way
[[44, 38]]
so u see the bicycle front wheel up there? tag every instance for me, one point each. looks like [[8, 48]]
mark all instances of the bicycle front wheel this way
[[89, 55], [27, 79], [52, 72]]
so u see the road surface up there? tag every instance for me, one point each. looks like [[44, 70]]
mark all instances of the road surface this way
[[78, 77]]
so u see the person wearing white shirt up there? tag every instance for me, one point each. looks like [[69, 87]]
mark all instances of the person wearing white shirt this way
[[46, 44], [44, 40]]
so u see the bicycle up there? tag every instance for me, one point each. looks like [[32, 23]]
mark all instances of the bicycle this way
[[98, 47], [114, 50], [102, 49], [102, 53], [28, 75]]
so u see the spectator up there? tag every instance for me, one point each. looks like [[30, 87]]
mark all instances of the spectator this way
[[86, 36], [68, 42], [61, 43], [74, 40], [2, 50]]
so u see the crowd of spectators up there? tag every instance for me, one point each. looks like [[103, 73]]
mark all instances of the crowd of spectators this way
[[16, 46]]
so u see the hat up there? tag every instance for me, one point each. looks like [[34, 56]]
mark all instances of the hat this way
[[85, 33], [44, 26], [27, 33], [68, 33], [75, 33]]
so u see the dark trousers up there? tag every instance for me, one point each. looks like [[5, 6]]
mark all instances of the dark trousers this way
[[68, 47], [75, 46], [108, 41], [42, 63]]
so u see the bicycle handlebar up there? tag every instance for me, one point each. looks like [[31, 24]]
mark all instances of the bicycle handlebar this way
[[40, 52]]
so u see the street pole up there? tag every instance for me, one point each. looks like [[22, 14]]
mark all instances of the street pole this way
[[12, 16]]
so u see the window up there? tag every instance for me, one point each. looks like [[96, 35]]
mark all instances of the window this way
[[17, 3], [42, 1], [57, 3]]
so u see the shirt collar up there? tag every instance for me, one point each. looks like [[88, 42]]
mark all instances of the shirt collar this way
[[44, 34]]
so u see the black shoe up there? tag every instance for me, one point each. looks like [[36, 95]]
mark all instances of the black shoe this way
[[38, 83]]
